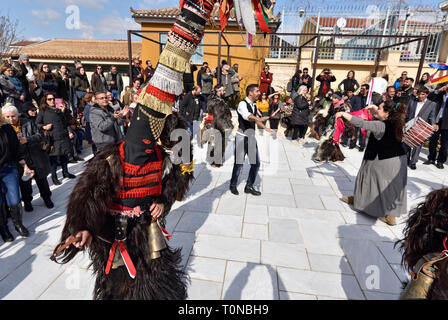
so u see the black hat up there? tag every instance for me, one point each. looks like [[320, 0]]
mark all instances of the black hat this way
[[336, 95], [28, 105]]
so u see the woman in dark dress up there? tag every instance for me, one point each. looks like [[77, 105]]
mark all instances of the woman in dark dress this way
[[380, 188], [300, 114], [56, 121], [36, 159], [10, 155]]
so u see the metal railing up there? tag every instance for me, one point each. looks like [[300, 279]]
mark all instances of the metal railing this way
[[373, 20]]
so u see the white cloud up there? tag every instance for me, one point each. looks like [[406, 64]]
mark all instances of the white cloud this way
[[46, 16], [36, 39], [116, 25], [87, 32], [150, 4], [93, 4]]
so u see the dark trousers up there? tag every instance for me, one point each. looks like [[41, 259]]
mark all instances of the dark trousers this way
[[358, 137], [241, 150], [413, 153], [273, 123], [26, 189], [63, 160], [188, 86], [441, 157], [299, 131]]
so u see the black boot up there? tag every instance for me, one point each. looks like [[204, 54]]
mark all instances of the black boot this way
[[4, 231], [67, 174], [49, 203], [16, 216], [55, 180], [28, 206]]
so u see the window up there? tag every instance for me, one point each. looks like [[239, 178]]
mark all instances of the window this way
[[197, 57]]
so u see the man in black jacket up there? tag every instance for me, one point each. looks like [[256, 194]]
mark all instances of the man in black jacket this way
[[307, 80], [440, 96], [188, 78], [190, 107], [425, 109]]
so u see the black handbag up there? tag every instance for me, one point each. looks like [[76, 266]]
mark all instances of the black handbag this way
[[47, 143]]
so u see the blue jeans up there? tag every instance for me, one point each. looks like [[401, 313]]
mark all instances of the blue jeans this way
[[241, 150], [116, 94], [9, 180]]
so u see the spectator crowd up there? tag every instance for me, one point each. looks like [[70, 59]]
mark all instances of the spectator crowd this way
[[49, 116]]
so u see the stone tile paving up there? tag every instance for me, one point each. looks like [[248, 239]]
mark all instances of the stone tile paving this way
[[296, 241]]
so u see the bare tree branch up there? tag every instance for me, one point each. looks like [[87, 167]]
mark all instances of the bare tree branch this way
[[8, 35]]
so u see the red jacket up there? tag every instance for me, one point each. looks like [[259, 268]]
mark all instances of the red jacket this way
[[265, 82]]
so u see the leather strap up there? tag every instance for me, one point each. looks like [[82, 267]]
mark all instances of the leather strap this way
[[62, 246]]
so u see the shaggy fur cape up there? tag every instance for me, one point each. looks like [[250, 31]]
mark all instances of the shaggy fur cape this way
[[327, 150], [425, 230], [88, 209]]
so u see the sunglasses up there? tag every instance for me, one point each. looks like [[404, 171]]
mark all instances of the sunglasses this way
[[33, 110], [50, 99]]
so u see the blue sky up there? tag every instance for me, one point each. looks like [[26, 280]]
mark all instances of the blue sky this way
[[109, 19]]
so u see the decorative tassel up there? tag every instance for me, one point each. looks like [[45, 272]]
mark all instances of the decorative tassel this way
[[175, 61], [167, 80], [156, 104]]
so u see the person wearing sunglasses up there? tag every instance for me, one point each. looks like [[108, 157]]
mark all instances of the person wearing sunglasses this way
[[11, 87], [55, 121], [98, 80]]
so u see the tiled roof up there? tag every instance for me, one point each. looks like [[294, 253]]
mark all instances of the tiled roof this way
[[23, 43], [172, 12], [98, 50]]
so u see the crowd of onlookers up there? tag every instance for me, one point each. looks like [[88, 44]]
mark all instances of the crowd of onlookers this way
[[52, 112]]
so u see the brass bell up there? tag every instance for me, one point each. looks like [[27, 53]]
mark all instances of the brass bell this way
[[418, 289], [156, 240]]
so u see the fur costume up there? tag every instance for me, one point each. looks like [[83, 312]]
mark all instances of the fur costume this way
[[220, 123], [89, 209], [113, 196], [328, 147], [425, 235]]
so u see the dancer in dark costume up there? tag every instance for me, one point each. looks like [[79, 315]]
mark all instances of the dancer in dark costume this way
[[119, 205], [424, 248], [220, 123]]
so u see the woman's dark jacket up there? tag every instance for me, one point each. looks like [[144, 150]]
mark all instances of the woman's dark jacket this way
[[296, 82], [81, 83], [59, 131], [301, 111], [35, 157], [49, 84], [348, 84], [10, 151]]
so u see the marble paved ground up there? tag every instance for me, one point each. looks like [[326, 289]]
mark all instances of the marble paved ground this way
[[296, 241]]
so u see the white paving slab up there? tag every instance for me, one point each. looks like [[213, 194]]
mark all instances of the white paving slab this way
[[319, 283], [204, 290], [284, 254], [248, 281], [245, 250], [206, 269]]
